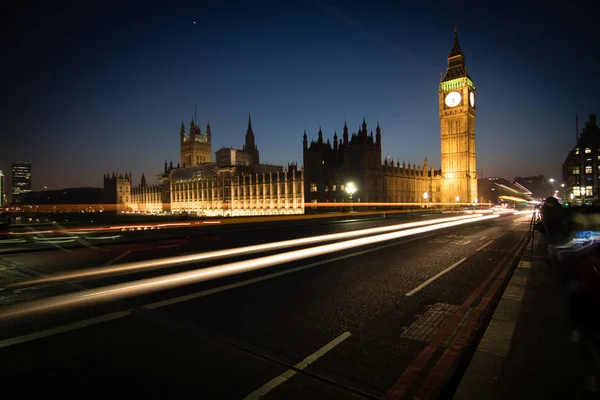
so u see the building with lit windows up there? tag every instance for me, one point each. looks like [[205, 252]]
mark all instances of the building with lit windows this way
[[357, 157], [3, 199], [235, 185], [581, 168], [21, 179]]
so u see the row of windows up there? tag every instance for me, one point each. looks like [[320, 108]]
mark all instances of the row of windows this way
[[586, 151], [313, 188], [588, 170], [586, 192]]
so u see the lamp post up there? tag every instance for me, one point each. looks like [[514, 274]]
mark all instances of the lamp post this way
[[351, 189], [562, 191], [582, 195], [551, 180], [425, 197]]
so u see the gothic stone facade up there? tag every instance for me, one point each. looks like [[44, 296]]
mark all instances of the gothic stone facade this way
[[357, 158], [211, 189]]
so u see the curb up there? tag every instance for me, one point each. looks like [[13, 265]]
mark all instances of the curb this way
[[480, 379]]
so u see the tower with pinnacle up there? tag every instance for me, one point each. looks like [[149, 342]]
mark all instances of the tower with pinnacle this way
[[457, 108]]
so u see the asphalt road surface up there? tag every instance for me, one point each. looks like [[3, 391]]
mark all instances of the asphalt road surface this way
[[388, 319]]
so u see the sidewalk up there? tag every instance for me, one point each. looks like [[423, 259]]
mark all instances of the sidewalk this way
[[525, 352]]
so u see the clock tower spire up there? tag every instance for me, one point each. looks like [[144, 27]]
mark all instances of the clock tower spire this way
[[457, 129]]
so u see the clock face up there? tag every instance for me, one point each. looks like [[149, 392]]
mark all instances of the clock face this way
[[472, 99], [453, 99]]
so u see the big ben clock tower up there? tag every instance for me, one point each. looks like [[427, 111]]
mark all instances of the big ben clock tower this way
[[457, 102]]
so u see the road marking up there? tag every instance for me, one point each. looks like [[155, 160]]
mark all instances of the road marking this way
[[487, 244], [433, 278], [63, 328], [203, 293], [273, 383]]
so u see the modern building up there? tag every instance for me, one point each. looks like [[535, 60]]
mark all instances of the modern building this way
[[235, 185], [356, 158], [3, 199], [581, 168], [21, 179]]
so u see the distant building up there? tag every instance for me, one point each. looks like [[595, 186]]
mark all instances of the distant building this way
[[538, 185], [495, 190], [3, 199], [581, 168], [67, 196], [235, 185], [21, 179], [232, 157]]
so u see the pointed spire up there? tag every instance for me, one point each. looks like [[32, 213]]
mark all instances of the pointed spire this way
[[455, 46], [249, 123], [456, 61], [304, 141]]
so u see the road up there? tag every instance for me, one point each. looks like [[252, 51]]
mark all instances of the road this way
[[389, 319]]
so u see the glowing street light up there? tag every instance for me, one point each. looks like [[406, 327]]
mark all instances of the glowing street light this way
[[551, 180], [351, 189], [457, 199]]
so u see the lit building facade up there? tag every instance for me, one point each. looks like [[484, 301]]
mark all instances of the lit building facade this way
[[357, 157], [21, 179], [195, 146], [236, 185], [457, 125], [581, 169]]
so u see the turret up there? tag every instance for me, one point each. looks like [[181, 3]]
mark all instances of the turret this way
[[208, 132], [182, 132], [345, 134], [378, 135], [320, 135], [335, 140], [305, 141]]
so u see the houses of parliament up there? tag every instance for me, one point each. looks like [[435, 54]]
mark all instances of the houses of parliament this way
[[237, 184]]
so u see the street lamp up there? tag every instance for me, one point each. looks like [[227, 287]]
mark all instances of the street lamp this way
[[582, 195], [551, 180], [562, 191], [351, 189]]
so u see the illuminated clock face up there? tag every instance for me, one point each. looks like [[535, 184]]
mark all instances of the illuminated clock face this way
[[453, 99], [472, 99]]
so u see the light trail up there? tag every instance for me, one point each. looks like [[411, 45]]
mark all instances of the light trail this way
[[212, 255], [149, 285]]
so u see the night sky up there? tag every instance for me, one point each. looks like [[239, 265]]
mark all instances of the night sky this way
[[101, 86]]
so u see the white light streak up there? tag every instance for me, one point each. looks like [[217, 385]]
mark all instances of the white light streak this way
[[149, 285], [212, 255]]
